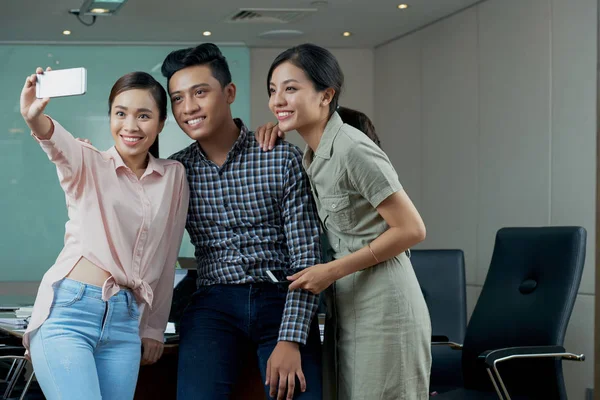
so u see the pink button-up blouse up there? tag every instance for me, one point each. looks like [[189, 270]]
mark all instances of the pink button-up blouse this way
[[132, 228]]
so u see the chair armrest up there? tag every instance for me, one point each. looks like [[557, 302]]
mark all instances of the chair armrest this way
[[12, 351], [491, 357], [439, 340]]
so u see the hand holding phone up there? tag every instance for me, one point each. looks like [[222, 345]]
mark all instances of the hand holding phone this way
[[32, 108]]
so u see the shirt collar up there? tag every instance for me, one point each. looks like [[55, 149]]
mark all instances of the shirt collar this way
[[326, 143], [153, 164], [237, 146]]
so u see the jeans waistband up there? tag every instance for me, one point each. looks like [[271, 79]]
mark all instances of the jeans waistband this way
[[93, 291]]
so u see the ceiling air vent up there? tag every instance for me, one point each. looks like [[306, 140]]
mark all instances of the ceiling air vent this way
[[270, 15]]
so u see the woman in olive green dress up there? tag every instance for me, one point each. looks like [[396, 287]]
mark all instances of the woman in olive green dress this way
[[378, 331]]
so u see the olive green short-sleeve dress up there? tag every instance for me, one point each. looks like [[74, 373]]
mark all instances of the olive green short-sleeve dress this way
[[378, 330]]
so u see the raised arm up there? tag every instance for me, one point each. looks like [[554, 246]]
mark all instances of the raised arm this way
[[32, 108], [60, 146]]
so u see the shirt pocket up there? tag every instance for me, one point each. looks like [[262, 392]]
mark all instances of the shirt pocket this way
[[339, 211]]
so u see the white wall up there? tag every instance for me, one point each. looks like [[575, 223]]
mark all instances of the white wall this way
[[358, 91], [490, 119]]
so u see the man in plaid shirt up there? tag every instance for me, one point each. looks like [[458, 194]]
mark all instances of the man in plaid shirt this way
[[250, 211]]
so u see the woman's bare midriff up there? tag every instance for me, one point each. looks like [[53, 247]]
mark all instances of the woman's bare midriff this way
[[86, 271]]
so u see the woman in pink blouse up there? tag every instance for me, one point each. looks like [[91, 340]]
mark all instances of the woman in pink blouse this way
[[109, 292]]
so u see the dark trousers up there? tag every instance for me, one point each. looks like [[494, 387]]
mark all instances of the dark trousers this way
[[220, 324]]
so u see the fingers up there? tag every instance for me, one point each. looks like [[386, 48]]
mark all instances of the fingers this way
[[149, 358], [305, 284], [296, 285], [267, 132], [147, 354], [273, 381], [273, 137], [299, 280], [28, 82], [260, 135], [32, 79], [144, 354], [302, 380], [282, 386], [152, 353], [291, 385], [268, 373], [293, 277], [43, 103], [297, 274]]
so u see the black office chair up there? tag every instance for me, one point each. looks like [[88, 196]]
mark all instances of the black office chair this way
[[514, 342], [441, 275]]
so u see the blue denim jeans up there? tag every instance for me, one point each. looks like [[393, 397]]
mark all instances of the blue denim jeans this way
[[220, 324], [87, 348]]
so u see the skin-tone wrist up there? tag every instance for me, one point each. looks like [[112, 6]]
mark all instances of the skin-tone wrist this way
[[336, 270], [293, 344], [41, 126]]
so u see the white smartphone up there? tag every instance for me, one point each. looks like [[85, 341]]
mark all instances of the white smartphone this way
[[62, 82], [271, 276], [275, 280]]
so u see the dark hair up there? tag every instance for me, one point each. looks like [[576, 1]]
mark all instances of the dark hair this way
[[144, 81], [321, 67], [359, 121], [141, 80], [204, 54]]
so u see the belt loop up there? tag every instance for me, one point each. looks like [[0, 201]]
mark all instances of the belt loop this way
[[81, 290]]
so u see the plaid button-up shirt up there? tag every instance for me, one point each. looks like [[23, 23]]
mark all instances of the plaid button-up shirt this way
[[254, 213]]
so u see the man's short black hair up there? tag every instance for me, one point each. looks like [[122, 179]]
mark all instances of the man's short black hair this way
[[204, 54]]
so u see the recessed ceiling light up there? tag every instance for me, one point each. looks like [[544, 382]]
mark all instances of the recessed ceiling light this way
[[66, 32], [347, 34], [207, 33], [403, 6]]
